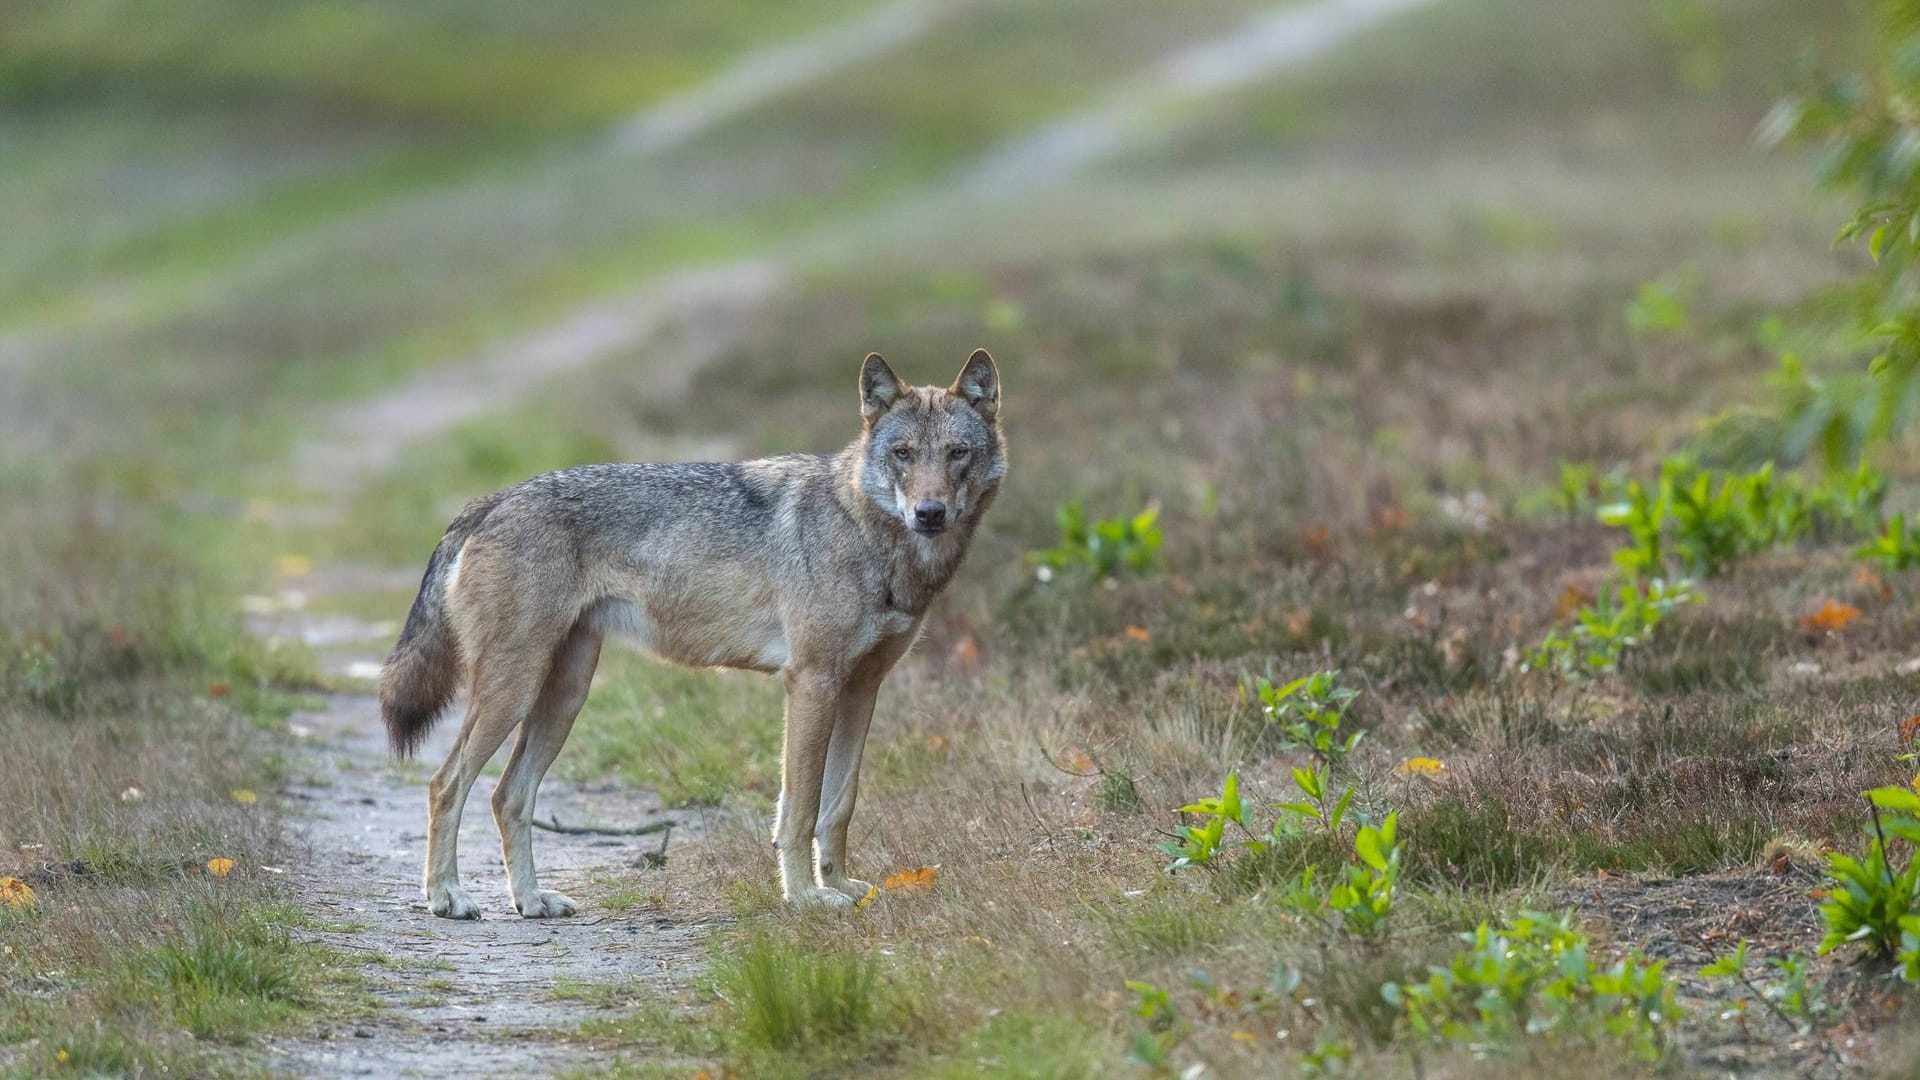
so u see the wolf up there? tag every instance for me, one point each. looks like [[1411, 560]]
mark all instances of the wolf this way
[[819, 568]]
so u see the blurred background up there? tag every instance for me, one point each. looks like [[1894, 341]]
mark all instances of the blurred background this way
[[303, 277]]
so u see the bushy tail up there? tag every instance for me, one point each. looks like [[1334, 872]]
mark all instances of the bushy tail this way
[[423, 672]]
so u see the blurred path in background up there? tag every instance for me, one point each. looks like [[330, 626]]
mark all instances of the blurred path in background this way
[[767, 74], [1267, 43], [706, 303]]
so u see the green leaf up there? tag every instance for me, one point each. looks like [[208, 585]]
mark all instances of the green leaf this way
[[1901, 799]]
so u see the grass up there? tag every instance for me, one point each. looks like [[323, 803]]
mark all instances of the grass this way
[[140, 719], [691, 736], [795, 1002]]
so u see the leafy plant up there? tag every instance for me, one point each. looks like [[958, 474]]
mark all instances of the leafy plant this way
[[1364, 898], [1576, 486], [1603, 632], [1870, 901], [1200, 845], [1361, 897], [1657, 307], [1869, 129], [1320, 806], [1896, 547], [1644, 515], [1164, 1030], [1791, 996], [1108, 547], [1534, 977], [1308, 713], [1712, 526]]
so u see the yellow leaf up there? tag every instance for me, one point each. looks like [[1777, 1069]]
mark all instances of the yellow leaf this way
[[293, 566], [1422, 766], [1139, 633], [861, 904], [911, 880], [1243, 1036], [62, 1057], [15, 893], [219, 867], [245, 796]]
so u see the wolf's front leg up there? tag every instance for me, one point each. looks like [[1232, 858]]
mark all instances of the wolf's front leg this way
[[852, 716], [811, 701]]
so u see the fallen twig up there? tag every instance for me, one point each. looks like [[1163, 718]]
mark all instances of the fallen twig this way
[[602, 830]]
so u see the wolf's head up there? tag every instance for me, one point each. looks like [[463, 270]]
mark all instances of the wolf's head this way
[[932, 456]]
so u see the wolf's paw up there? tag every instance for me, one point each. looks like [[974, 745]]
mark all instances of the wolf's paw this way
[[546, 904], [813, 896], [852, 888], [452, 902]]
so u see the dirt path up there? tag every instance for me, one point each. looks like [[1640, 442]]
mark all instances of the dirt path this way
[[701, 306], [465, 999]]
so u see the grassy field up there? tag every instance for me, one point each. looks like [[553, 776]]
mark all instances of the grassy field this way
[[1340, 328]]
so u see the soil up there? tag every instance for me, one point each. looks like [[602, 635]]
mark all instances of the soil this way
[[468, 999]]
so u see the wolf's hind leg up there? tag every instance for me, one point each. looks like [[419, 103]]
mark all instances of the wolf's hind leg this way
[[541, 738], [501, 698], [853, 713]]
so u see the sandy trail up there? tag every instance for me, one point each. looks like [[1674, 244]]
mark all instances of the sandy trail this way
[[466, 999]]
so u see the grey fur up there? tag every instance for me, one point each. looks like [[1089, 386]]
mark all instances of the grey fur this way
[[819, 567]]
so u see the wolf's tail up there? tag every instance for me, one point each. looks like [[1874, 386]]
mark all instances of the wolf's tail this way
[[423, 672]]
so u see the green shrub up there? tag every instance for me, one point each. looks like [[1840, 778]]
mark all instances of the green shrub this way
[[1107, 547], [1792, 995], [1535, 978], [1622, 618], [1896, 548], [1308, 712], [1869, 129], [1871, 902]]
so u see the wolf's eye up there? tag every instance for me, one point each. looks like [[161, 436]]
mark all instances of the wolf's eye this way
[[959, 453], [901, 453]]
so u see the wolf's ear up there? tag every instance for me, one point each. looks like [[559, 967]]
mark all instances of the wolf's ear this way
[[879, 386], [979, 384]]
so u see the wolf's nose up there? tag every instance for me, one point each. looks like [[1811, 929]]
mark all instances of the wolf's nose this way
[[930, 513]]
